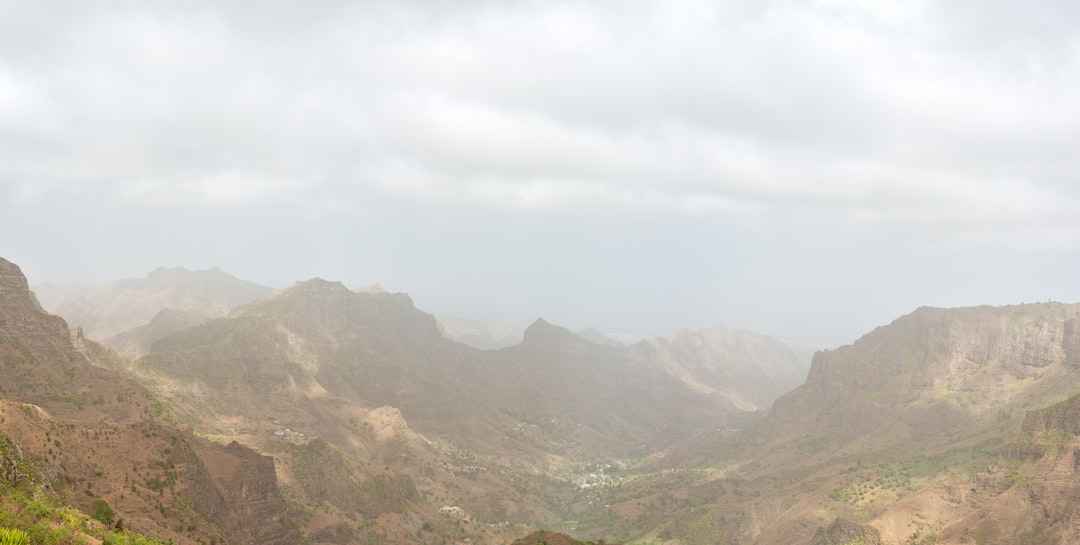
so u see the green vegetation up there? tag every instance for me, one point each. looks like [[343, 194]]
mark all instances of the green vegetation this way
[[102, 512], [10, 536], [704, 530], [895, 479], [25, 521]]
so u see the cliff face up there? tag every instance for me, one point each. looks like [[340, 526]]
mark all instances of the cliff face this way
[[940, 367], [40, 365], [23, 321], [237, 487], [1064, 416]]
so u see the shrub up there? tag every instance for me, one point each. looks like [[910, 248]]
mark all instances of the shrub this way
[[102, 512]]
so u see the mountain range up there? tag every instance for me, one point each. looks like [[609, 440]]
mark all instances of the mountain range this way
[[320, 414]]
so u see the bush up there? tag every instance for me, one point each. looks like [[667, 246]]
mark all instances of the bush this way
[[102, 512]]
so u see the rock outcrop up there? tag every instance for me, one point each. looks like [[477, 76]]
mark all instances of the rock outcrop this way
[[1064, 416], [237, 488], [846, 532]]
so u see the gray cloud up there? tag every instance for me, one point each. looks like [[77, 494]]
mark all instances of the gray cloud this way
[[743, 155]]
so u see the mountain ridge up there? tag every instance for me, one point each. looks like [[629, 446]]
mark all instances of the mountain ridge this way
[[946, 426], [123, 305]]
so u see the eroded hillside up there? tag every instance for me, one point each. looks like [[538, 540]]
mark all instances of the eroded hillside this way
[[92, 435]]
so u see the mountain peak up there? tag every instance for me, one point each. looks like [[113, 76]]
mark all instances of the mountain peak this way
[[371, 288], [14, 288], [544, 331], [168, 270], [183, 276], [320, 285], [314, 289]]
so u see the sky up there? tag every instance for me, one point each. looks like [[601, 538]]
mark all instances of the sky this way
[[808, 169]]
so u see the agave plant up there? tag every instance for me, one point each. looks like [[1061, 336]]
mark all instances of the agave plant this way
[[13, 537]]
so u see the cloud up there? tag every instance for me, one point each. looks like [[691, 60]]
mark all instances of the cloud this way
[[813, 102], [797, 127]]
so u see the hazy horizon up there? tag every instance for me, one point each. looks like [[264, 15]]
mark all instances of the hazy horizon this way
[[804, 170]]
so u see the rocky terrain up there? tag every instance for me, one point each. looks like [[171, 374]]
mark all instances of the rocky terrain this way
[[321, 414], [92, 435]]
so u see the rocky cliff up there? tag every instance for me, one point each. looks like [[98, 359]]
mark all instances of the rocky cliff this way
[[237, 488], [939, 369]]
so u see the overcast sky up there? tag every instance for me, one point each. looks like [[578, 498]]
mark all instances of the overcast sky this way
[[807, 169]]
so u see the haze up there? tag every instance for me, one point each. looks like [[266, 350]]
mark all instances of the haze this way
[[803, 169]]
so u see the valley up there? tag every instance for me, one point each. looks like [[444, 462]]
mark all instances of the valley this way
[[224, 412]]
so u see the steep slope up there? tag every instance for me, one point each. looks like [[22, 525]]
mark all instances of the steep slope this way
[[92, 435], [121, 306]]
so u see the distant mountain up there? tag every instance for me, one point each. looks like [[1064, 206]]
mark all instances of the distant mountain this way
[[81, 435], [484, 335], [138, 341], [805, 351], [378, 349], [124, 305], [597, 337], [749, 369]]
